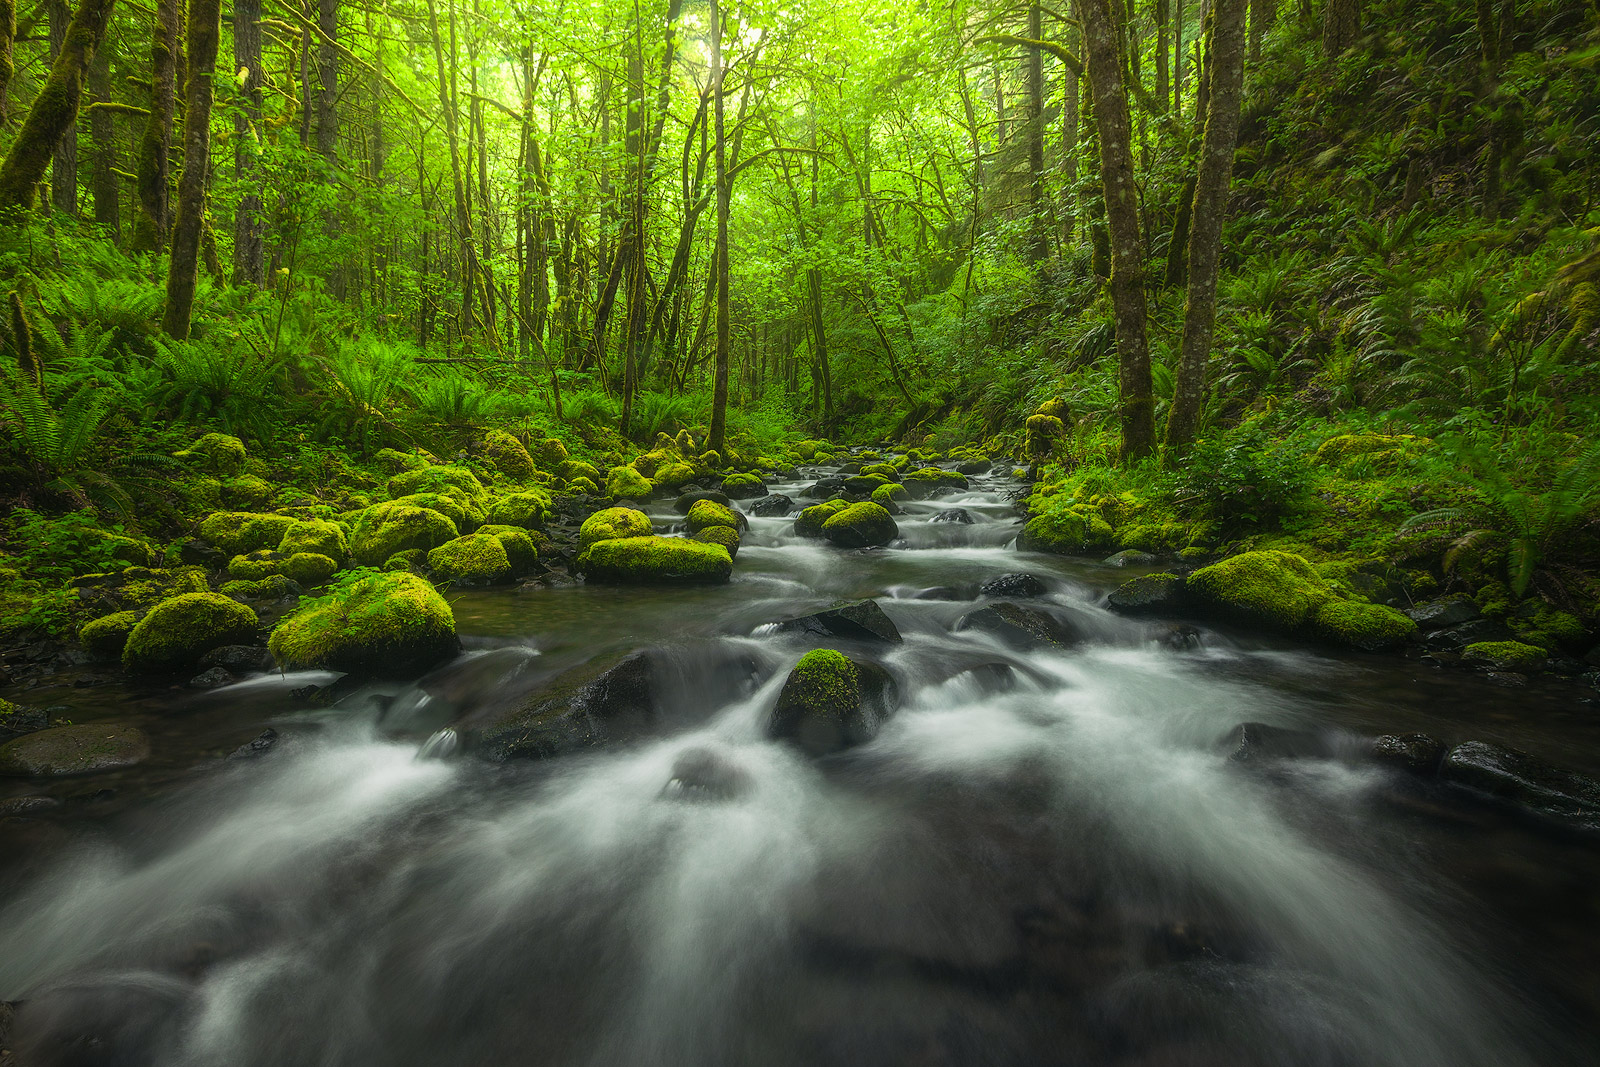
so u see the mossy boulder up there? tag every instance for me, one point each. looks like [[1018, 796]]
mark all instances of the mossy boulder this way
[[1065, 533], [550, 452], [178, 631], [401, 461], [654, 559], [584, 486], [466, 514], [255, 566], [703, 513], [1273, 589], [674, 475], [1148, 594], [475, 558], [308, 568], [237, 532], [274, 587], [928, 481], [744, 486], [888, 497], [218, 453], [863, 525], [519, 547], [246, 491], [384, 529], [444, 479], [864, 484], [1504, 656], [87, 748], [886, 471], [626, 483], [1358, 624], [137, 587], [684, 442], [810, 521], [320, 536], [610, 523], [1337, 451], [726, 536], [411, 559], [510, 455], [529, 509], [830, 703], [106, 636], [393, 624], [574, 469], [1040, 434]]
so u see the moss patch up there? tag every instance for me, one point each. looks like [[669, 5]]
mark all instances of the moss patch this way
[[436, 480], [861, 525], [529, 509], [308, 568], [218, 453], [245, 531], [519, 547], [106, 636], [1504, 656], [510, 456], [473, 558], [320, 536], [810, 521], [1357, 624], [384, 529], [178, 631], [609, 523], [625, 483], [703, 513], [1279, 590], [654, 559], [392, 624], [726, 536]]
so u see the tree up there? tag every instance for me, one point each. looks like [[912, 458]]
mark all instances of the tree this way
[[107, 207], [150, 232], [1341, 25], [249, 267], [183, 269], [64, 161], [719, 396]]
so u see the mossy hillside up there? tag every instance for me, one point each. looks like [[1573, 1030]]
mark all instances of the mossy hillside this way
[[704, 513], [809, 522], [372, 624], [177, 632], [654, 559], [106, 636], [382, 530], [477, 558], [609, 523]]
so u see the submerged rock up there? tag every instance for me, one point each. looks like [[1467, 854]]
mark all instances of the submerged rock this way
[[212, 678], [1148, 594], [958, 515], [610, 698], [1014, 585], [1251, 742], [238, 659], [862, 620], [830, 703], [67, 750], [19, 719], [393, 624], [1416, 753], [703, 774], [1523, 780], [257, 746], [1020, 627]]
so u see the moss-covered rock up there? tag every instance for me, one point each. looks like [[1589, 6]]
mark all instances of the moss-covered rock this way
[[726, 536], [1055, 407], [466, 515], [411, 559], [863, 525], [626, 483], [830, 703], [106, 636], [255, 566], [1065, 533], [703, 513], [317, 535], [1148, 594], [130, 550], [888, 497], [654, 559], [519, 547], [475, 558], [177, 632], [529, 509], [391, 624], [137, 587], [1358, 624], [810, 520], [864, 484], [308, 568], [609, 523], [218, 453], [550, 452], [684, 442], [1504, 656], [584, 486], [442, 479], [274, 587], [237, 532], [674, 475], [401, 461], [510, 455], [1336, 451], [1277, 590], [927, 481], [744, 486], [384, 529], [1547, 627], [885, 471], [246, 491], [1040, 434], [574, 469]]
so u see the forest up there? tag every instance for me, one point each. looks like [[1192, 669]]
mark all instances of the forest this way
[[373, 373]]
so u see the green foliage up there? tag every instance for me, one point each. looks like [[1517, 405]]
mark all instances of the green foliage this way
[[1243, 481]]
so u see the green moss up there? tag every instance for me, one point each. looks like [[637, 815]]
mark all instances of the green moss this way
[[309, 568], [137, 587], [726, 536], [1056, 408], [888, 496], [654, 559], [1548, 628], [609, 523], [684, 442], [810, 520], [453, 506], [1504, 655], [274, 587], [584, 486], [510, 456], [247, 491], [674, 475], [1358, 624], [177, 632], [1065, 533], [937, 477], [861, 525], [320, 536], [885, 471], [130, 550], [626, 483], [436, 480], [710, 459], [244, 531], [400, 461], [519, 547], [574, 469], [384, 529], [1336, 451], [473, 558], [412, 559], [529, 509], [826, 678], [255, 566], [703, 513], [550, 452], [106, 636], [218, 453], [742, 481], [392, 623], [1271, 588]]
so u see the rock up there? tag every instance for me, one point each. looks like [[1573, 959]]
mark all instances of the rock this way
[[1504, 656], [383, 530], [889, 496], [19, 719], [1276, 590], [136, 587], [218, 453], [775, 506], [308, 568], [823, 488], [519, 545], [1064, 533], [830, 703], [106, 636], [213, 678], [238, 659], [974, 466], [690, 499], [272, 587], [318, 536], [608, 699], [1442, 614], [863, 525], [1252, 742], [477, 558], [609, 523], [1014, 585], [451, 480], [1416, 753], [1358, 624], [510, 456], [393, 624], [960, 515], [178, 631], [862, 620], [625, 483], [706, 513], [1506, 679], [810, 521], [1148, 594], [703, 774], [66, 750], [1181, 638], [926, 482], [654, 559], [528, 509], [744, 486], [256, 747], [992, 677], [726, 536], [1020, 627], [14, 807], [237, 532], [1458, 637], [1129, 557], [1518, 778]]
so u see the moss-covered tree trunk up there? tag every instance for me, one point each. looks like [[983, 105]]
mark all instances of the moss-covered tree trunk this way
[[183, 269], [64, 161], [248, 254], [719, 392], [1115, 131], [151, 231], [1226, 68], [102, 132], [55, 109], [8, 65], [1038, 207]]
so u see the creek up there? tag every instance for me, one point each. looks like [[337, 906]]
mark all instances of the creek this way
[[1052, 864]]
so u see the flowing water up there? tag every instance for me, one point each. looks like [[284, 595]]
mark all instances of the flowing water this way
[[1065, 871]]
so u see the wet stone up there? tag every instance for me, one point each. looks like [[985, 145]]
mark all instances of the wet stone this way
[[1416, 753], [689, 500], [960, 515], [703, 774], [863, 620], [15, 807], [1442, 614], [1456, 638], [775, 506], [1020, 627], [1517, 778], [238, 659], [67, 750], [1129, 557], [1148, 594], [1252, 742], [256, 747], [1014, 585], [25, 719], [974, 466], [215, 678]]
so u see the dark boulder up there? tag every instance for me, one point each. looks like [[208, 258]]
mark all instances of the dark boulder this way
[[1417, 754], [703, 774], [1458, 637], [1254, 742], [256, 747], [1525, 781], [65, 750], [1014, 585], [214, 678], [863, 620], [824, 489], [1148, 594], [238, 659], [830, 703], [609, 698], [19, 719], [961, 515], [1020, 627], [1129, 557], [775, 506], [1442, 614], [690, 499], [974, 466]]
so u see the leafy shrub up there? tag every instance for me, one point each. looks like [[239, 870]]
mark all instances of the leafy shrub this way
[[1244, 482]]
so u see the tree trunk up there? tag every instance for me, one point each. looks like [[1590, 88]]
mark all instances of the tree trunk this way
[[154, 221], [1263, 13], [8, 63], [719, 395], [64, 161], [1039, 232], [55, 109], [1122, 218], [1341, 25], [102, 131], [248, 267], [328, 81], [1210, 210], [183, 268], [447, 102]]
